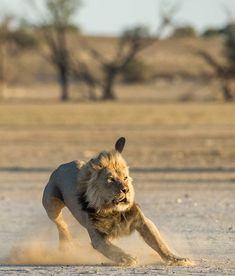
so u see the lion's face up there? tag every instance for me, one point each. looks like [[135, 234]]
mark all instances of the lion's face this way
[[116, 188], [110, 186]]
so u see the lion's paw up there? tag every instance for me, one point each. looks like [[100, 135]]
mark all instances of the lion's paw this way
[[177, 261], [127, 260]]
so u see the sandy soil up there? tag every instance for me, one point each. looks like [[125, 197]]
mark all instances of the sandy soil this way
[[196, 216], [184, 175]]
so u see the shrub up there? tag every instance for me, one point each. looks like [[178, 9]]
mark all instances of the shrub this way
[[186, 31], [211, 32], [23, 38], [136, 71]]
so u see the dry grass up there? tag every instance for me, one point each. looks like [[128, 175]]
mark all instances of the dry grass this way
[[73, 114], [191, 135]]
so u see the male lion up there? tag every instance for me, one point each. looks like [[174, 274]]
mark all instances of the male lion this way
[[100, 196]]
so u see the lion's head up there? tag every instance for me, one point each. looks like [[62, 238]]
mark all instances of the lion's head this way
[[110, 186]]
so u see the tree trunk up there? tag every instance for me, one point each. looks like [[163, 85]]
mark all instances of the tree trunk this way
[[108, 92], [227, 93], [2, 71], [91, 93], [64, 84]]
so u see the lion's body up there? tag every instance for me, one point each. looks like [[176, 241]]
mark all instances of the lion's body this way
[[64, 186], [100, 195]]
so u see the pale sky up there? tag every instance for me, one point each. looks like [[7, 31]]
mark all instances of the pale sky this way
[[110, 17]]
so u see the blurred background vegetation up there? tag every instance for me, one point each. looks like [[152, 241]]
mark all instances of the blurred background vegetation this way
[[54, 60]]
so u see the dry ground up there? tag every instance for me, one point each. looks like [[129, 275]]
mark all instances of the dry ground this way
[[183, 164]]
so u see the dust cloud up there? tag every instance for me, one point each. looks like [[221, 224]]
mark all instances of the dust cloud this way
[[41, 248], [43, 251]]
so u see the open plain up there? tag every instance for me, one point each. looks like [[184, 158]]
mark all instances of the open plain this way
[[182, 160]]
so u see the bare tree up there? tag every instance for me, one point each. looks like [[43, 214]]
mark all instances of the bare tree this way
[[221, 71], [129, 45], [224, 72], [55, 29], [12, 43], [82, 73], [4, 29]]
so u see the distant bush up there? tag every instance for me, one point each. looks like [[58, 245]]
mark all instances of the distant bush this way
[[186, 31], [136, 71], [228, 28], [23, 38], [139, 32], [212, 32], [219, 31], [70, 27]]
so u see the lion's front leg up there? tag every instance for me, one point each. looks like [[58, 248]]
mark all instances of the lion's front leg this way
[[114, 253], [110, 251], [152, 237]]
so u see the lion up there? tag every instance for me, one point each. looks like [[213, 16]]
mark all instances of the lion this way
[[101, 197]]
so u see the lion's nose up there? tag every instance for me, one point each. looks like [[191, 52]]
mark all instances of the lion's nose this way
[[125, 190]]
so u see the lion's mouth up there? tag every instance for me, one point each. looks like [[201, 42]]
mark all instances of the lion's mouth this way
[[124, 200], [120, 200]]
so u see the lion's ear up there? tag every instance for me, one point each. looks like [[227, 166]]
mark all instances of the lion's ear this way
[[120, 144]]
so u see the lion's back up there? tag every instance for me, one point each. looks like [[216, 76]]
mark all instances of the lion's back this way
[[64, 179]]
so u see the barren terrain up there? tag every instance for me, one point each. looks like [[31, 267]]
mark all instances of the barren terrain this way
[[182, 159]]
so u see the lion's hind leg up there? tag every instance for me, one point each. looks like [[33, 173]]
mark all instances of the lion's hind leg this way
[[54, 208]]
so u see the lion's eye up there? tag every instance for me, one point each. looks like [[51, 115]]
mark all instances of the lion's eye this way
[[111, 179], [126, 177]]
